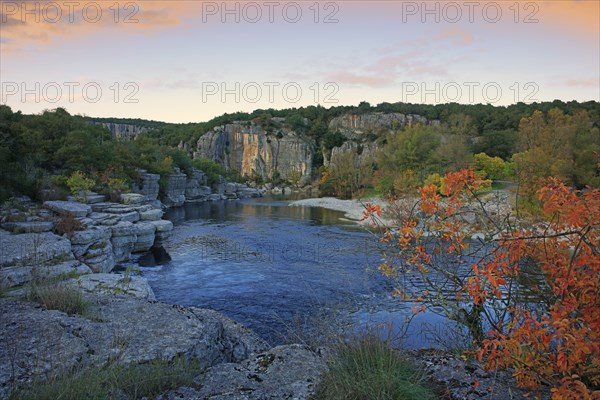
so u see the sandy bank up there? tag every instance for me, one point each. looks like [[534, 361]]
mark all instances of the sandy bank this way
[[353, 209]]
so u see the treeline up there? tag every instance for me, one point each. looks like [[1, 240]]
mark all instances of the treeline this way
[[314, 120], [559, 143], [144, 123], [39, 153], [555, 138]]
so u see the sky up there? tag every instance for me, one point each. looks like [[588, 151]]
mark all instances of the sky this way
[[189, 61]]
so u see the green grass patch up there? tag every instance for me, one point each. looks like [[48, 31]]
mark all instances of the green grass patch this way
[[369, 369], [60, 297], [135, 381]]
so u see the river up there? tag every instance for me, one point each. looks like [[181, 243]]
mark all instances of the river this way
[[273, 268]]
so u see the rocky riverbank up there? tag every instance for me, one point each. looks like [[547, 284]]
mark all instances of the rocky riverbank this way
[[69, 237], [40, 343], [124, 323]]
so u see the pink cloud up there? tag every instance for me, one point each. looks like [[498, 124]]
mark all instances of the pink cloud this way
[[591, 82], [463, 36], [42, 23], [360, 80]]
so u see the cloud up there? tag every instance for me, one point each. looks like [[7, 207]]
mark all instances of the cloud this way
[[357, 79], [407, 60], [30, 22], [585, 83], [463, 37]]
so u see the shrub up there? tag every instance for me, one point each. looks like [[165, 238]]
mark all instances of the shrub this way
[[370, 369], [80, 185], [67, 224], [210, 168]]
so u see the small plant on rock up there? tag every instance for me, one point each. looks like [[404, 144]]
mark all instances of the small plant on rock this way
[[67, 224], [80, 186], [59, 297]]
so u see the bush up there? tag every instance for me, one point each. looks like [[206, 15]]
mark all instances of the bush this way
[[80, 186], [371, 369], [67, 225], [210, 168]]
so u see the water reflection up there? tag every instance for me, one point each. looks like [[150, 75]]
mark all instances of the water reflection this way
[[265, 264], [218, 211]]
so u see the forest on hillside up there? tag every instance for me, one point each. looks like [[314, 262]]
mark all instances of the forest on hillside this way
[[522, 142]]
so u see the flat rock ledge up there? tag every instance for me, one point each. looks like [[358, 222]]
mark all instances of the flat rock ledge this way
[[136, 286], [284, 372], [37, 342]]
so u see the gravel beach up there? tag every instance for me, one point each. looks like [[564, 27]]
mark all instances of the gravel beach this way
[[353, 209]]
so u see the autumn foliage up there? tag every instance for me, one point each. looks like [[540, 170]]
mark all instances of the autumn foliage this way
[[553, 340]]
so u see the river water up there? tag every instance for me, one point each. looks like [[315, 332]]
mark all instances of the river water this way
[[273, 268]]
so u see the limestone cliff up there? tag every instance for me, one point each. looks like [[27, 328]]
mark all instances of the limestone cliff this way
[[250, 150], [353, 126], [123, 131]]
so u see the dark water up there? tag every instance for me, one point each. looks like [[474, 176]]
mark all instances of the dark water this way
[[266, 264]]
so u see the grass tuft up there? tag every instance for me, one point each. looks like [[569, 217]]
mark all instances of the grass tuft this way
[[369, 369], [135, 381], [60, 297]]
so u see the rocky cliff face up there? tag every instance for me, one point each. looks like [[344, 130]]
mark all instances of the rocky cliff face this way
[[248, 149], [353, 126], [359, 129], [362, 154], [252, 150], [123, 131]]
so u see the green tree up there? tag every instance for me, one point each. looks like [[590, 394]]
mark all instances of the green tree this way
[[413, 148], [492, 167]]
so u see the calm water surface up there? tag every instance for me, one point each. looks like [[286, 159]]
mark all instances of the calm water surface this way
[[266, 264]]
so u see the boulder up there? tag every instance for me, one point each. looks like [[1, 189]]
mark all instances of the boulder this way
[[89, 236], [151, 215], [94, 248], [215, 197], [231, 187], [68, 207], [458, 375], [196, 189], [132, 198], [114, 208], [163, 231], [147, 185], [123, 240], [100, 259], [145, 236], [162, 225], [174, 193]]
